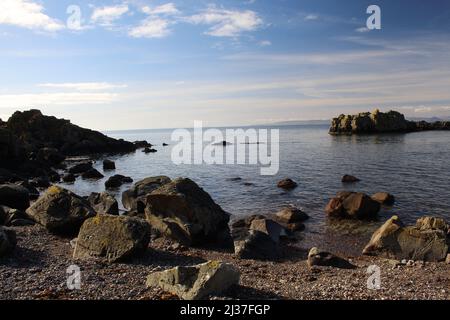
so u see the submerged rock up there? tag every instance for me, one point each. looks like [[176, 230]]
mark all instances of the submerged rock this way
[[93, 174], [196, 282], [428, 240], [317, 257], [117, 181], [287, 184], [7, 241], [109, 165], [352, 205], [104, 203], [183, 211], [349, 179], [60, 211], [149, 150], [14, 196], [112, 238], [384, 198]]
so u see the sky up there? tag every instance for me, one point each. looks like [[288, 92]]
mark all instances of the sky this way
[[135, 64]]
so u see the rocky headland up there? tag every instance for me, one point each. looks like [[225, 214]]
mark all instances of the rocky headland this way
[[381, 122]]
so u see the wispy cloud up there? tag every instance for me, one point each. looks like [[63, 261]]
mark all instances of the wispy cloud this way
[[27, 14], [83, 86], [107, 15], [151, 28], [165, 9], [227, 23], [310, 17]]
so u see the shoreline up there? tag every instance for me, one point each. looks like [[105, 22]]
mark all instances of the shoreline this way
[[37, 270]]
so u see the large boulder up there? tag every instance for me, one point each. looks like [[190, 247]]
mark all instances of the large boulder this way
[[7, 241], [81, 167], [291, 215], [14, 196], [104, 203], [428, 240], [112, 238], [60, 211], [355, 205], [93, 174], [116, 181], [254, 244], [184, 212], [134, 198], [196, 282], [274, 230]]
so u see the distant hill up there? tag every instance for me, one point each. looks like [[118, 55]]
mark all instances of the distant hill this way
[[300, 122]]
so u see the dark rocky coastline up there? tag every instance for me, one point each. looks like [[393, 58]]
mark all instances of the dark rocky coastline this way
[[380, 122]]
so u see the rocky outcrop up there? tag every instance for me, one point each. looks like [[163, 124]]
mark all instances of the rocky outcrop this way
[[36, 131], [116, 181], [317, 257], [354, 205], [196, 282], [428, 240], [183, 211], [14, 196], [112, 238], [104, 203], [134, 198], [7, 241], [380, 122], [60, 211]]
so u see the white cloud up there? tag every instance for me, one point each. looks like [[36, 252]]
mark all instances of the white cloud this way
[[59, 99], [106, 16], [310, 17], [227, 23], [27, 14], [362, 30], [83, 86], [165, 9], [265, 43], [151, 28]]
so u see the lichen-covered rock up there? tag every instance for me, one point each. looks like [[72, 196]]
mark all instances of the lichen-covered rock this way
[[112, 238], [104, 203], [426, 241], [7, 241], [196, 282], [134, 198], [384, 198], [317, 257], [60, 211], [353, 205], [184, 212], [14, 196]]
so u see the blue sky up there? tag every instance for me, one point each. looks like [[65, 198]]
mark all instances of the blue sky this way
[[154, 64]]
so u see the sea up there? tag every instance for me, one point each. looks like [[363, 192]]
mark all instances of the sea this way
[[414, 167]]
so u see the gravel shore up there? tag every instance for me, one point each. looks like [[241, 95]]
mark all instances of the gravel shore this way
[[37, 270]]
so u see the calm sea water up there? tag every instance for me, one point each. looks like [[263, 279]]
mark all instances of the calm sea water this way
[[414, 167]]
